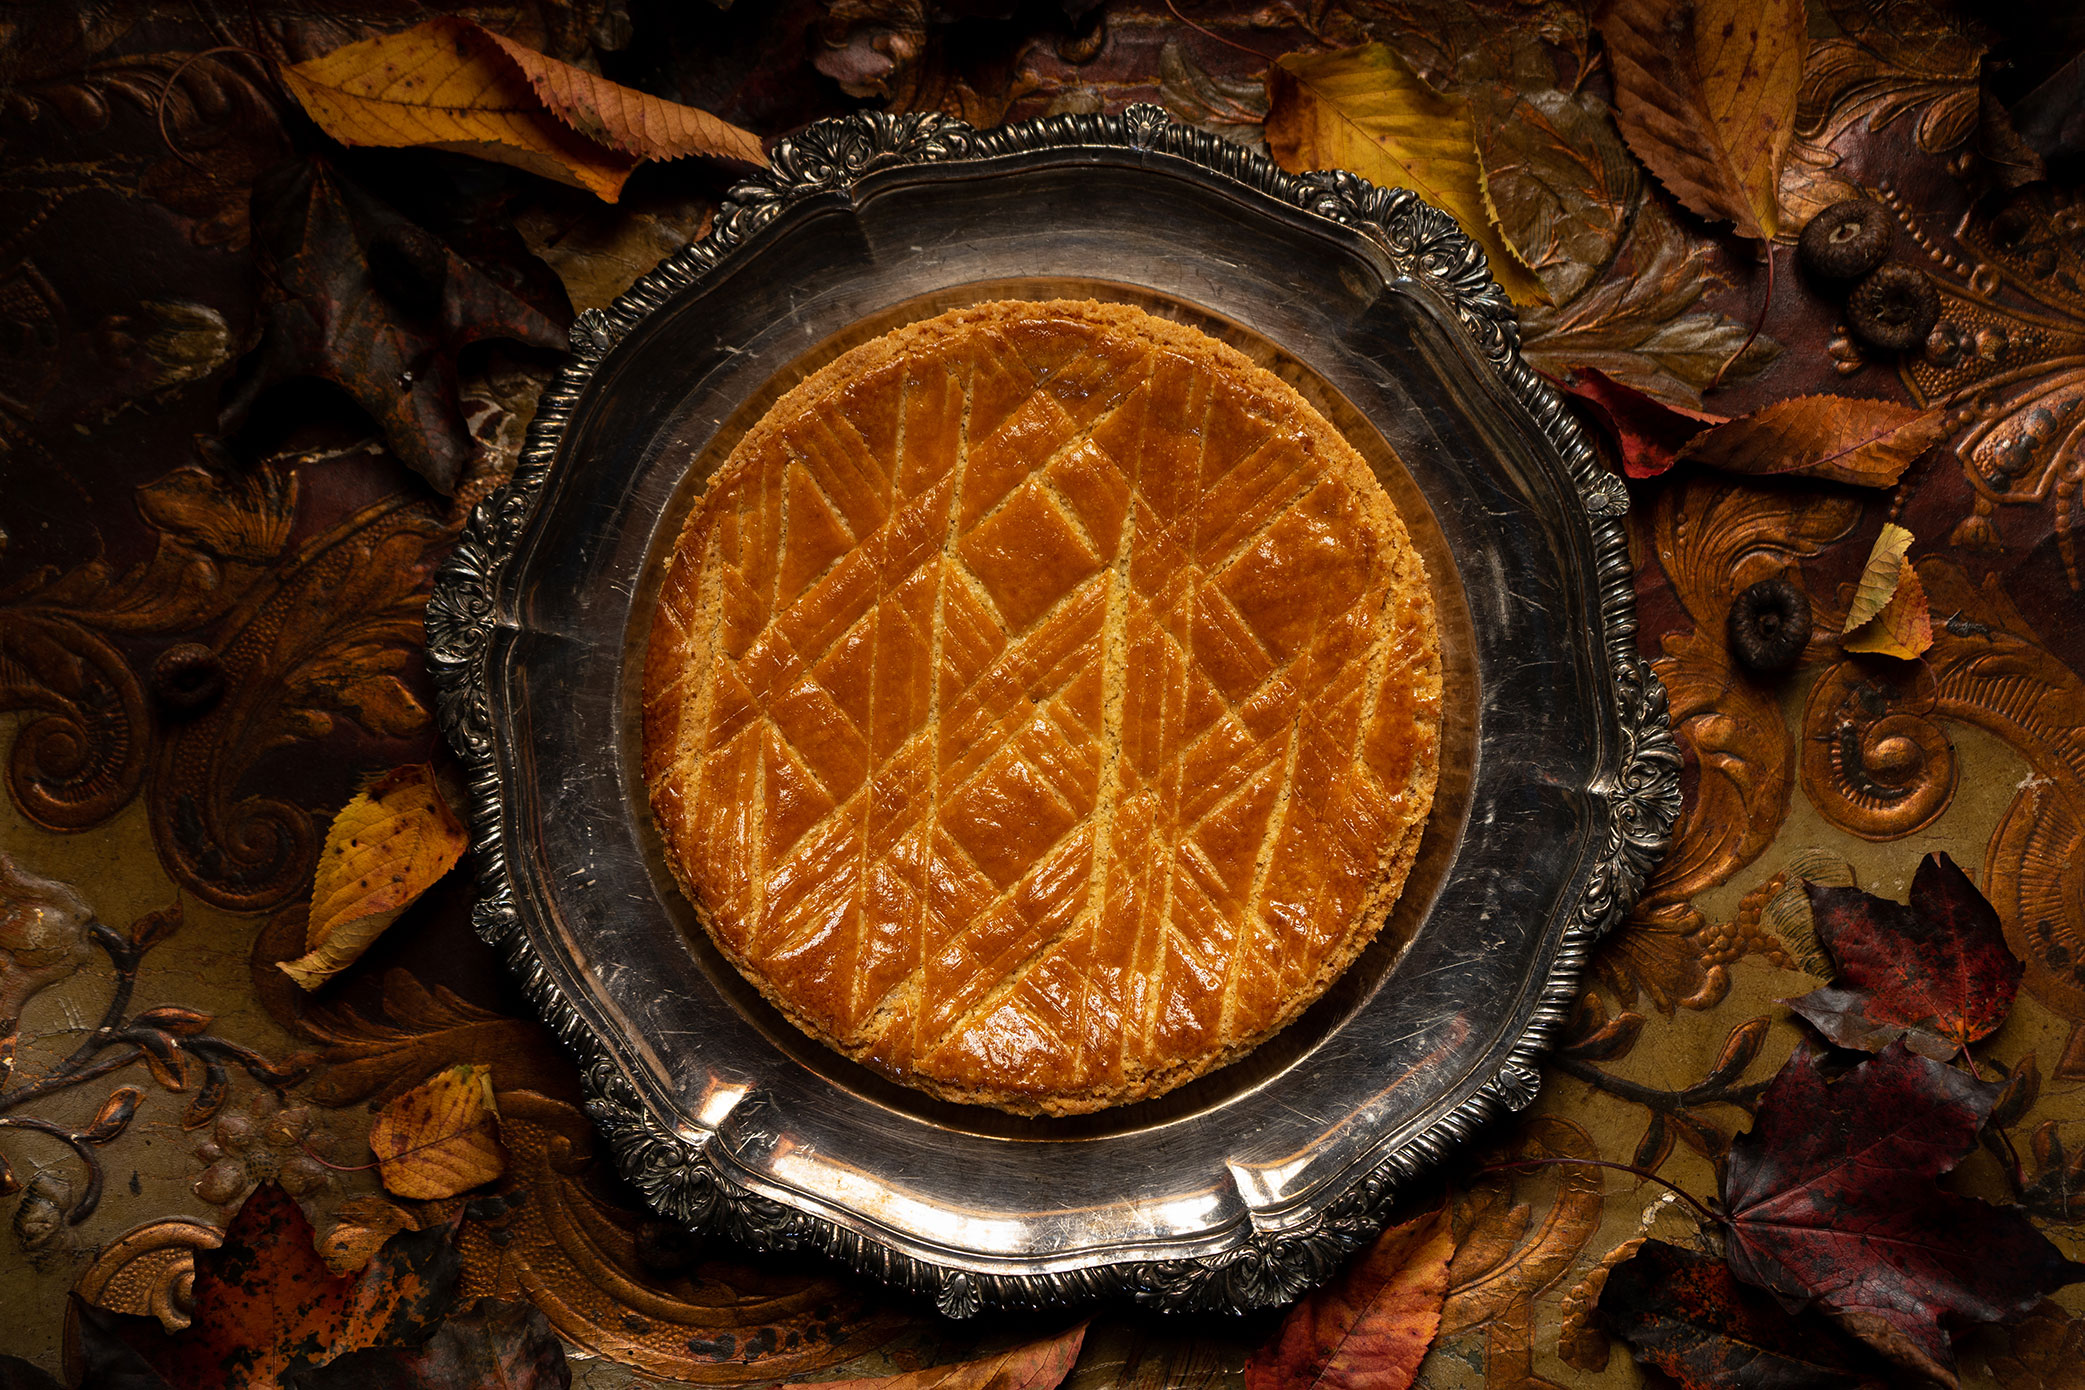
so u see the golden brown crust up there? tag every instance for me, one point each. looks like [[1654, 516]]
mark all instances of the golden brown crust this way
[[1042, 705]]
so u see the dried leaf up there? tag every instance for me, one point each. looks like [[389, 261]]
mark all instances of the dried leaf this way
[[360, 1227], [1560, 184], [1370, 1329], [1638, 323], [1039, 1365], [1879, 578], [266, 1305], [1838, 438], [1904, 627], [1363, 109], [355, 294], [1683, 1314], [1648, 434], [452, 85], [1936, 973], [494, 1346], [440, 1138], [1831, 1196], [1705, 94], [385, 848]]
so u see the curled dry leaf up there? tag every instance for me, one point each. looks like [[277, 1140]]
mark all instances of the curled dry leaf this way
[[1838, 438], [1363, 109], [450, 84], [1889, 615], [1039, 1365], [1648, 434], [440, 1138], [1936, 973], [385, 848], [1640, 324], [354, 293], [1832, 1196], [1369, 1329], [1705, 94]]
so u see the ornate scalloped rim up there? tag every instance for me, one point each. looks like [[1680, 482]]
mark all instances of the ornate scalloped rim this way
[[677, 1173]]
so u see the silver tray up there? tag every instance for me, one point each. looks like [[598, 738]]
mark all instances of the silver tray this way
[[1560, 775]]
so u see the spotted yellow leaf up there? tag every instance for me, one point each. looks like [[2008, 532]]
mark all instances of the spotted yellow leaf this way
[[441, 1137], [386, 848]]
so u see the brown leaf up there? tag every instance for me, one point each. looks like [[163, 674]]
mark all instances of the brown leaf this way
[[1842, 439], [1370, 1329], [1639, 324], [440, 1138], [1560, 184], [1039, 1365], [360, 1227], [385, 848], [452, 85], [1705, 94], [1936, 972], [1890, 615], [356, 294], [1363, 109]]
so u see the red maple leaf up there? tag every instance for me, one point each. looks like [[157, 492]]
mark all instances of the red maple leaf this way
[[1936, 973], [266, 1305], [1832, 1197]]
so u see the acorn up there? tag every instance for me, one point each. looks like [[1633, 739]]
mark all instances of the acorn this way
[[1846, 240], [1769, 626], [1894, 308]]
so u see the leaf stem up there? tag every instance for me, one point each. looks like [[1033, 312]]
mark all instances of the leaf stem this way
[[1210, 33], [1645, 1174], [1757, 324]]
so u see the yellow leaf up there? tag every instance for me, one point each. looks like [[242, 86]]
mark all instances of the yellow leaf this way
[[1879, 578], [1363, 109], [449, 84], [440, 1138], [1904, 627], [1705, 94], [386, 848]]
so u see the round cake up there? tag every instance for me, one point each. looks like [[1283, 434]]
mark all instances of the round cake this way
[[1042, 705]]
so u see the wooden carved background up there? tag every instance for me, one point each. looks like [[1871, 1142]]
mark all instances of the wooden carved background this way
[[213, 567]]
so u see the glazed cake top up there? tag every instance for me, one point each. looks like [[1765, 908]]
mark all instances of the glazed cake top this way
[[1042, 704]]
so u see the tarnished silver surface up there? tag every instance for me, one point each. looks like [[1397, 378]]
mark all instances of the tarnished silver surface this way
[[1558, 792]]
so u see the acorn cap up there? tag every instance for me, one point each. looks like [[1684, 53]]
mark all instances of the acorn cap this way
[[1894, 308], [1847, 240], [1769, 626]]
